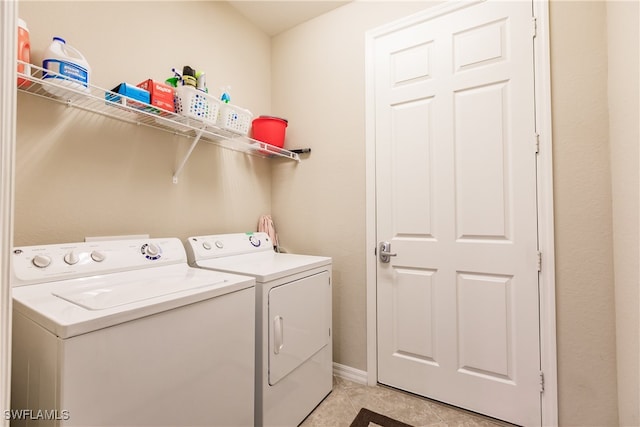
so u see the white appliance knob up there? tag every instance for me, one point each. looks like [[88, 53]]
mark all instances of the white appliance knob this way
[[98, 256], [41, 261], [71, 258], [219, 244], [206, 245], [151, 250], [254, 241]]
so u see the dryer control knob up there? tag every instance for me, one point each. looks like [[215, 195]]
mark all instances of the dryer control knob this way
[[219, 244], [71, 258], [98, 256], [254, 241], [206, 245], [151, 250], [41, 261]]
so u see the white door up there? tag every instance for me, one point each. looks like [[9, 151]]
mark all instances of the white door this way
[[457, 307]]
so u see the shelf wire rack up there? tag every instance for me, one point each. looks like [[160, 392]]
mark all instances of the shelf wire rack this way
[[119, 107]]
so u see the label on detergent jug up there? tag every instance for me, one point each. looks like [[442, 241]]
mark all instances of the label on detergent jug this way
[[66, 69]]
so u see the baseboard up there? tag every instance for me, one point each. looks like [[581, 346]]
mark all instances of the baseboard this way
[[349, 373]]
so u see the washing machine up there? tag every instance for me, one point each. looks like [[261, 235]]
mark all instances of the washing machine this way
[[125, 333], [294, 363]]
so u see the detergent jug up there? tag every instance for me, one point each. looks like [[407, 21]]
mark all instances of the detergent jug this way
[[69, 68], [24, 53]]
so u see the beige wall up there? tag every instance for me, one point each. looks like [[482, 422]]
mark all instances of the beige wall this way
[[583, 221], [624, 129], [319, 205], [79, 174], [318, 83]]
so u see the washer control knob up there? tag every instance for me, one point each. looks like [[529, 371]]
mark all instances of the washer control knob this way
[[71, 258], [41, 261], [98, 256], [219, 244], [151, 251], [206, 245]]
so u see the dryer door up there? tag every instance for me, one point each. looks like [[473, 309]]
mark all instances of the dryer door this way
[[299, 323]]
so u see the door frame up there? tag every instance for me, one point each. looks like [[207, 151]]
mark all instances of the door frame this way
[[8, 52], [546, 283]]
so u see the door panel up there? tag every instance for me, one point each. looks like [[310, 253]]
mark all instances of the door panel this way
[[412, 214], [484, 339], [414, 327], [299, 323], [481, 162], [456, 197], [480, 45]]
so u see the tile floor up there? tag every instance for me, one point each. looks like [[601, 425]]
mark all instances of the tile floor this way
[[347, 397]]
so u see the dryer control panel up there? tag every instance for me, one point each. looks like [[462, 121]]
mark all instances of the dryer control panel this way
[[47, 263], [219, 245]]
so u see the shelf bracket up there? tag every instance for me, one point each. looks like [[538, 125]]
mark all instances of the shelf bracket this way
[[186, 157]]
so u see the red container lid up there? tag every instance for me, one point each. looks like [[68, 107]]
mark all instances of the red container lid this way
[[273, 117]]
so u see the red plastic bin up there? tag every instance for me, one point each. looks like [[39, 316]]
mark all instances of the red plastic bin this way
[[269, 129]]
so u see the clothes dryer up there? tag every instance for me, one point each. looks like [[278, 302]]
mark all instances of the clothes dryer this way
[[294, 365], [125, 333]]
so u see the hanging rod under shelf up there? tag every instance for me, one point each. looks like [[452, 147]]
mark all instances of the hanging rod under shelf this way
[[93, 100]]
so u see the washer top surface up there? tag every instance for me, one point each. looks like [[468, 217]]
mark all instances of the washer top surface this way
[[249, 254], [70, 300]]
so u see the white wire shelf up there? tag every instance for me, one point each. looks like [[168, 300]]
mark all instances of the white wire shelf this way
[[93, 100]]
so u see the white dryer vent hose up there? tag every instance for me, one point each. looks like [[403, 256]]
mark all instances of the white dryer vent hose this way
[[266, 225]]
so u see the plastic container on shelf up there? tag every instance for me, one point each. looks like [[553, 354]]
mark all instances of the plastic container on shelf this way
[[196, 104], [69, 68], [24, 53], [234, 119], [270, 129]]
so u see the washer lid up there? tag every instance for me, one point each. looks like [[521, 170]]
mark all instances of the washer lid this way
[[106, 293], [77, 306], [265, 266]]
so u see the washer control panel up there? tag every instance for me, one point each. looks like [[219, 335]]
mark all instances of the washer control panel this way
[[37, 264], [219, 245]]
